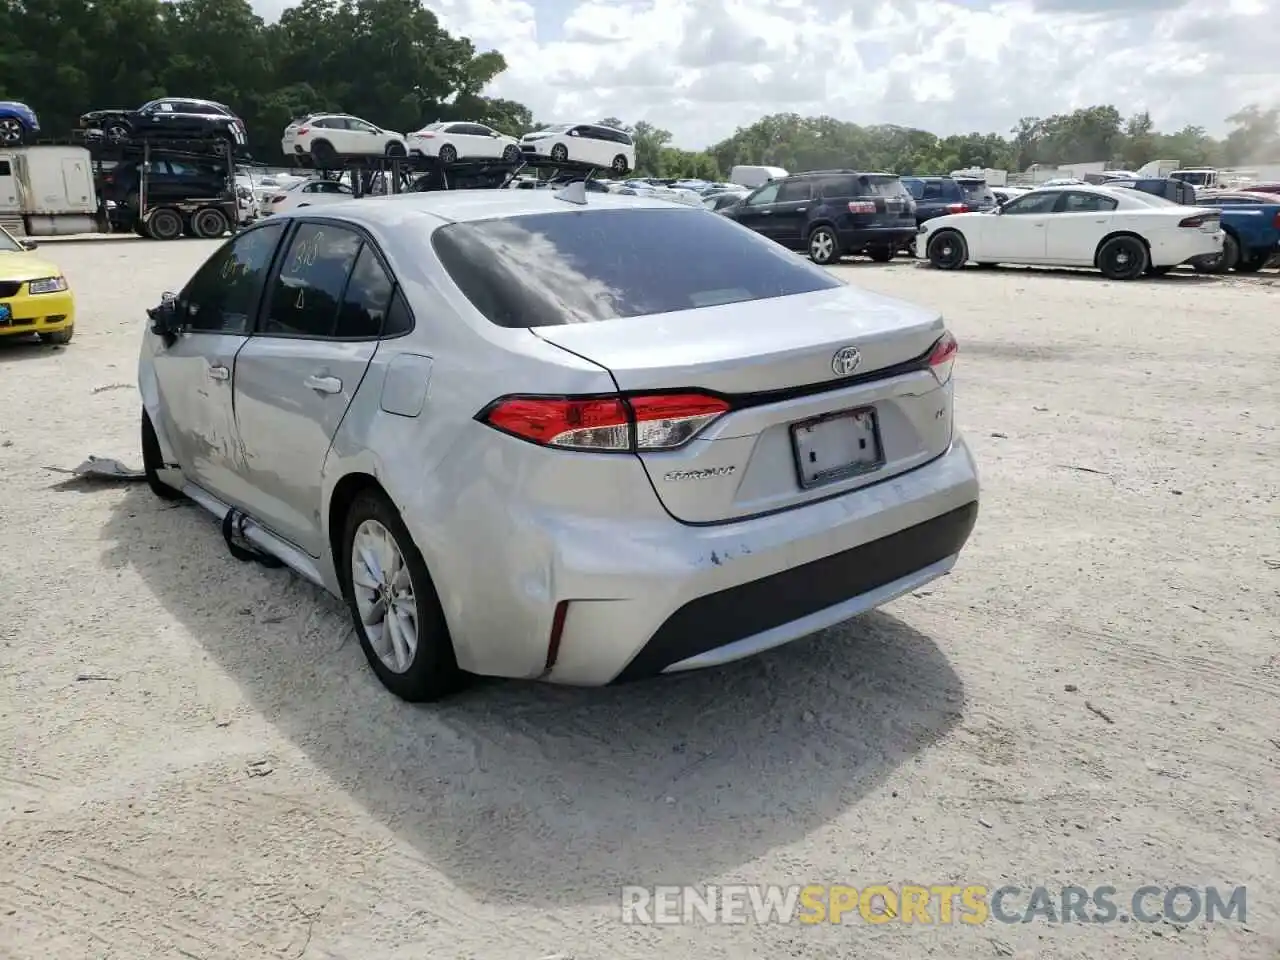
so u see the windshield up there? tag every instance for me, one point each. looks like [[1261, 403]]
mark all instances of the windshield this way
[[8, 244], [584, 266], [871, 185]]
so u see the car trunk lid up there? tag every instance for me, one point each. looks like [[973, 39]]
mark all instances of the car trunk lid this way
[[828, 392]]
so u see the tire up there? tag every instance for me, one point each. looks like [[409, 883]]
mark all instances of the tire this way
[[947, 250], [448, 153], [1222, 262], [117, 131], [1123, 258], [164, 224], [430, 671], [323, 155], [881, 254], [153, 462], [824, 246], [511, 153], [560, 153], [209, 223], [396, 149], [1254, 263], [13, 132], [1158, 271], [59, 337], [619, 165]]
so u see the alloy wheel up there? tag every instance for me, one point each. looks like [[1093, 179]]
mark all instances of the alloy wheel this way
[[821, 246], [384, 596], [10, 130]]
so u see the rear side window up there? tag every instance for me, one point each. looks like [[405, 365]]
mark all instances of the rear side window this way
[[837, 188], [365, 301], [871, 185], [915, 188], [313, 274], [793, 190], [590, 265]]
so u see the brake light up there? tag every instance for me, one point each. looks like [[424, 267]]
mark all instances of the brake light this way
[[1199, 220], [1276, 222], [943, 357], [862, 206], [957, 208], [279, 198], [302, 130], [606, 424], [425, 135]]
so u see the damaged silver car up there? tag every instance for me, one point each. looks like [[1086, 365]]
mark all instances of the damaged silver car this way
[[579, 437]]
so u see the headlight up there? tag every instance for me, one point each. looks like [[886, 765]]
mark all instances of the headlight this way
[[47, 285]]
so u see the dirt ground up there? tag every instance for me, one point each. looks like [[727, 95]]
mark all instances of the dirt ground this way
[[197, 762]]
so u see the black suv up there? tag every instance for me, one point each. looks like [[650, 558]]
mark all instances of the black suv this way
[[168, 180], [1176, 190], [831, 214], [171, 117]]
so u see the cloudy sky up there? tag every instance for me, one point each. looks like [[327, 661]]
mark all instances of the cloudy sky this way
[[701, 68]]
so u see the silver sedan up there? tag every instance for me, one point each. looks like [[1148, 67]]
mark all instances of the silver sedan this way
[[580, 437]]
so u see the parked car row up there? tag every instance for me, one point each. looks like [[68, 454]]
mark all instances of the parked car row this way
[[1129, 228]]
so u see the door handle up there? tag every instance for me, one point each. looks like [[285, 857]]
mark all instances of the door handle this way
[[323, 384], [765, 213], [801, 209], [219, 372]]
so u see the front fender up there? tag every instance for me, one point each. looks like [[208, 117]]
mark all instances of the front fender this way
[[149, 388]]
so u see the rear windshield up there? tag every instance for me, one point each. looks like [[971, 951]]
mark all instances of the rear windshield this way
[[581, 266], [1150, 199], [976, 190], [870, 185]]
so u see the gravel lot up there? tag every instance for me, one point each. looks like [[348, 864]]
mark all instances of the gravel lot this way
[[199, 764]]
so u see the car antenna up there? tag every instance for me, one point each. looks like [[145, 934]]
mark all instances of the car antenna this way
[[575, 192]]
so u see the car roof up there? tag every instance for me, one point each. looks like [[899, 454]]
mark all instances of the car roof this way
[[458, 206]]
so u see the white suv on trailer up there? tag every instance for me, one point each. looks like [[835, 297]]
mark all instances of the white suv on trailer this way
[[326, 136], [462, 141], [592, 143]]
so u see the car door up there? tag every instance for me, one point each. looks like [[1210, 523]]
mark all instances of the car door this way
[[165, 119], [786, 224], [298, 373], [1079, 222], [464, 138], [755, 210], [365, 137], [195, 373], [1018, 233]]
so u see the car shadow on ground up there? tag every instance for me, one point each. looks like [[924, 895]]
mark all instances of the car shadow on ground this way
[[527, 793], [1082, 273], [17, 348]]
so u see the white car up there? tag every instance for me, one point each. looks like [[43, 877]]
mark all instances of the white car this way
[[591, 143], [306, 193], [1123, 233], [462, 141], [323, 137]]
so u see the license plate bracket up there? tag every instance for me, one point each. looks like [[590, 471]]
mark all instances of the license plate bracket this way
[[836, 446]]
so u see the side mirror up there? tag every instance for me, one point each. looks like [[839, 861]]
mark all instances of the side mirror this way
[[28, 244], [164, 318]]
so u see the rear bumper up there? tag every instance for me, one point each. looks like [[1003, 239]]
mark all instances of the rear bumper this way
[[711, 595], [1172, 247], [859, 238]]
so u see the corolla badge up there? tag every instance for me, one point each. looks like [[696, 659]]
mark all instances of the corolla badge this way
[[845, 361]]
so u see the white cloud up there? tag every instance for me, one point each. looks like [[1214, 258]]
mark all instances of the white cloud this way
[[701, 68]]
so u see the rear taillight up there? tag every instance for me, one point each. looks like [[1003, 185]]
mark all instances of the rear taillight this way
[[425, 136], [302, 130], [957, 208], [606, 424], [1276, 222], [943, 357], [1198, 221], [862, 206]]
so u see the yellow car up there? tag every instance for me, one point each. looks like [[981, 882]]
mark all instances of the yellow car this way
[[34, 295]]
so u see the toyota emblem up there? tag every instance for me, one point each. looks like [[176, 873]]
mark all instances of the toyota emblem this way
[[845, 361]]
